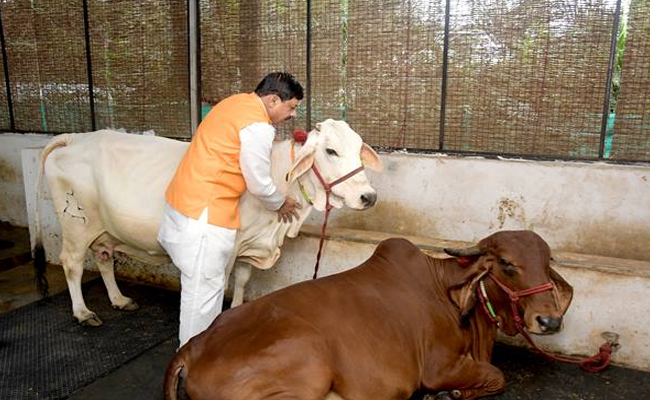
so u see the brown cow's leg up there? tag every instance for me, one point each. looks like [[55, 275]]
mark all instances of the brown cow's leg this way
[[472, 378], [489, 381], [118, 300]]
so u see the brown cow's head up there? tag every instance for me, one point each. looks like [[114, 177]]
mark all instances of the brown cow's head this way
[[519, 260]]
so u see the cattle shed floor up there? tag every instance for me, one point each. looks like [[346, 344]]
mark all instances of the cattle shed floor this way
[[528, 375]]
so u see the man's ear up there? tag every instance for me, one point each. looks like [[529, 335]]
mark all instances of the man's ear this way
[[303, 163], [370, 159]]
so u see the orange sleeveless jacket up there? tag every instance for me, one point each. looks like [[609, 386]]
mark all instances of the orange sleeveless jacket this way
[[209, 174]]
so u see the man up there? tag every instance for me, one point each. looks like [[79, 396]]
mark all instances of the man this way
[[230, 153]]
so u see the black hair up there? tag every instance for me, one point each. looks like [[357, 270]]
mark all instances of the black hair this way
[[282, 84]]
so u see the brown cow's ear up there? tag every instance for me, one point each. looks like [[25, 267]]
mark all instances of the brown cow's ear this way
[[370, 158], [464, 295], [563, 291]]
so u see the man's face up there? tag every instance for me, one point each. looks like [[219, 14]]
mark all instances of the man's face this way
[[280, 111]]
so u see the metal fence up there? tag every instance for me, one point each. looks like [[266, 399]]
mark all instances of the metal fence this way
[[566, 79]]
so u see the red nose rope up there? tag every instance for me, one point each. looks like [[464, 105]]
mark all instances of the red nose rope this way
[[300, 136], [595, 363]]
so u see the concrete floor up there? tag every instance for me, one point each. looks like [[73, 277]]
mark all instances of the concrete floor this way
[[528, 376]]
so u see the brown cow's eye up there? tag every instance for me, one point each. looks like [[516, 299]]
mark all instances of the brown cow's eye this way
[[507, 267], [332, 152]]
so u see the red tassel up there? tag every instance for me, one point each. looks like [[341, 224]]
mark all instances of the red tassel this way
[[464, 261], [299, 136]]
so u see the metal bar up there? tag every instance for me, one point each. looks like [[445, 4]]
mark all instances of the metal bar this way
[[5, 65], [308, 83], [608, 84], [443, 88], [89, 67], [509, 156], [194, 64], [47, 132]]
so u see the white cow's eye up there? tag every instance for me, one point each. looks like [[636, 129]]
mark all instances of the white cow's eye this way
[[332, 152]]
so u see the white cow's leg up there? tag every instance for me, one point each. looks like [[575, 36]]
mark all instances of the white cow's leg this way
[[73, 263], [118, 300], [242, 276]]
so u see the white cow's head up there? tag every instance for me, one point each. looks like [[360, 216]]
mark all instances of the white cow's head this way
[[337, 150]]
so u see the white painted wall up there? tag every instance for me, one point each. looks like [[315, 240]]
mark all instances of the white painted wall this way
[[592, 208], [12, 188]]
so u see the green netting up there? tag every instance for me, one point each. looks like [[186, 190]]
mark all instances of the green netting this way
[[525, 77], [47, 65], [241, 42], [528, 77], [140, 65], [631, 135], [5, 119]]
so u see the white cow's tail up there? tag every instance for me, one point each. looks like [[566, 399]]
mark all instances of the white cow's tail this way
[[38, 253]]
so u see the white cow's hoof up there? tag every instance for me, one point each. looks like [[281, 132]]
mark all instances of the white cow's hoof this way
[[91, 320], [131, 305]]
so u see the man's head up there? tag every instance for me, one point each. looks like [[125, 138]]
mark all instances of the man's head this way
[[281, 94]]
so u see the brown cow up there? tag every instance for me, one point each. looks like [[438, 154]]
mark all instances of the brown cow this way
[[400, 321]]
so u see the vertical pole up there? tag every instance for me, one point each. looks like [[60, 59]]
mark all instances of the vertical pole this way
[[89, 67], [608, 83], [443, 89], [194, 64], [5, 64], [308, 84]]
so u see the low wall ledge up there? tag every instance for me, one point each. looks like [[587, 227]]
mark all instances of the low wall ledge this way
[[434, 247]]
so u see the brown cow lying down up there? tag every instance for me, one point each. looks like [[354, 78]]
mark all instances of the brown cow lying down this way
[[400, 321]]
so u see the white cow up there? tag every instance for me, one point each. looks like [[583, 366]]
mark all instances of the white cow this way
[[108, 192]]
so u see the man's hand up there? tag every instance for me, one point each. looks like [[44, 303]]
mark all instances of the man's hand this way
[[289, 210]]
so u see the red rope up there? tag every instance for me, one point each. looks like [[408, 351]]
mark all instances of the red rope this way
[[328, 207], [595, 363]]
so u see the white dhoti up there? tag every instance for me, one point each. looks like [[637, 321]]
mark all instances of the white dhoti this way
[[201, 252]]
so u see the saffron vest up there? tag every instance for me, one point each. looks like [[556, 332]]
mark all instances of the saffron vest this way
[[209, 174]]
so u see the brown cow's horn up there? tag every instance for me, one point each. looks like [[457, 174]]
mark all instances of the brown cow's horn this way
[[467, 252]]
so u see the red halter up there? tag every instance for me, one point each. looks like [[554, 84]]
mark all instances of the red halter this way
[[516, 295], [595, 363]]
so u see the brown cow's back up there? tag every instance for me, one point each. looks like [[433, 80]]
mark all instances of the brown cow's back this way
[[391, 306]]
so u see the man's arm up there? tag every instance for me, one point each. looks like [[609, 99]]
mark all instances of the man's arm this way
[[255, 162]]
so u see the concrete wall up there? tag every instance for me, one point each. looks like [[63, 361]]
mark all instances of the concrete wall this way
[[592, 208], [12, 189]]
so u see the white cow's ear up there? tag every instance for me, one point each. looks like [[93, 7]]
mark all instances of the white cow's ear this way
[[302, 164], [370, 158]]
